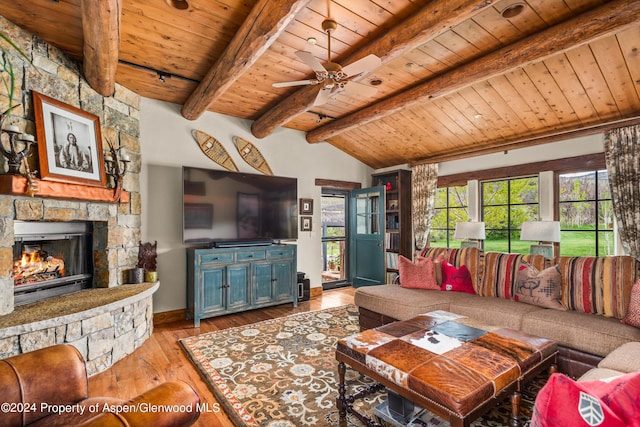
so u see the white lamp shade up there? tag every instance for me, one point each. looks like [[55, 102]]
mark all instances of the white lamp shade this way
[[540, 231], [469, 230]]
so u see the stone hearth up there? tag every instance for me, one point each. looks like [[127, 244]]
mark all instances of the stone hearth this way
[[104, 324]]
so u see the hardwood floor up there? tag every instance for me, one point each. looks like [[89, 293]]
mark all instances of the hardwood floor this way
[[162, 359]]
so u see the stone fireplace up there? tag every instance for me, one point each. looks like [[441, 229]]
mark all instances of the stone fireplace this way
[[114, 236], [51, 259], [103, 335]]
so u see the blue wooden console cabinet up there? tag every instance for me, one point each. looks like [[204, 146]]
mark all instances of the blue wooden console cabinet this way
[[228, 280]]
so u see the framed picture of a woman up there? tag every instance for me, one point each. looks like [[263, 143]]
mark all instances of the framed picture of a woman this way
[[69, 143]]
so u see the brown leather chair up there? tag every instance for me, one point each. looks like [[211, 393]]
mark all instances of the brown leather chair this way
[[49, 387]]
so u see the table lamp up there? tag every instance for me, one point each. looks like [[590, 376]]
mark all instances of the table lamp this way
[[470, 232], [543, 232]]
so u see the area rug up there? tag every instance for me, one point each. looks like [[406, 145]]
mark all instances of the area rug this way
[[283, 373]]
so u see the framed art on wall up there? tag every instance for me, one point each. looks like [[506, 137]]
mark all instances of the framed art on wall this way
[[306, 206], [69, 143], [305, 223]]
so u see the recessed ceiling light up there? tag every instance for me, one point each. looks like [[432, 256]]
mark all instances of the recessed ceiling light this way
[[178, 4], [375, 82], [409, 65], [312, 40], [512, 11]]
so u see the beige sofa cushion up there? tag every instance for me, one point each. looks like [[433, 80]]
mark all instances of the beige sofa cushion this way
[[493, 311], [599, 374], [590, 333], [625, 358], [401, 303]]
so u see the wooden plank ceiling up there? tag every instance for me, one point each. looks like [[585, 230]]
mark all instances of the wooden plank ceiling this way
[[457, 77]]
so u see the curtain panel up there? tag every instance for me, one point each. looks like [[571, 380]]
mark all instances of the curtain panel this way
[[622, 156], [424, 183]]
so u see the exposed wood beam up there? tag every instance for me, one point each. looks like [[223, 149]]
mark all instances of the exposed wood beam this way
[[587, 27], [101, 32], [266, 21], [342, 185], [434, 19]]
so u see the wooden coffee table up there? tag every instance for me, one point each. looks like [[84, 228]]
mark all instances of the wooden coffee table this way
[[444, 363]]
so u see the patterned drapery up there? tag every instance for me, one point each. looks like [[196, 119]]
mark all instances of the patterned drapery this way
[[424, 183], [622, 155]]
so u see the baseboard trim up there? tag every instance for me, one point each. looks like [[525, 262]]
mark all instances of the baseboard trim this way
[[169, 316], [315, 292]]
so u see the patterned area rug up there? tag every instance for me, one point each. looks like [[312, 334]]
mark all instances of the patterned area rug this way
[[283, 373]]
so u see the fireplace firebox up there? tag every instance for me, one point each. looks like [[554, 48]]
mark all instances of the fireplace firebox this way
[[51, 259]]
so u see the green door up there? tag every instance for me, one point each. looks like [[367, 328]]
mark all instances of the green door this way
[[366, 235]]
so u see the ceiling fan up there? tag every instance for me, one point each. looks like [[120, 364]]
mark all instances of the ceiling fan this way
[[331, 75]]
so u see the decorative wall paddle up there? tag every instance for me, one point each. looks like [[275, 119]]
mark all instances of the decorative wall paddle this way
[[252, 155], [214, 150]]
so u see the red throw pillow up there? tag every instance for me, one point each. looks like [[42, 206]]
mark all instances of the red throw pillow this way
[[608, 403], [633, 310], [456, 279], [417, 275]]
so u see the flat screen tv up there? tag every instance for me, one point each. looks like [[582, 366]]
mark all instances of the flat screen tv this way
[[234, 208]]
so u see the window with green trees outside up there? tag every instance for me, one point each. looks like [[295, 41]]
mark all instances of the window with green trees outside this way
[[451, 206], [586, 214], [506, 204]]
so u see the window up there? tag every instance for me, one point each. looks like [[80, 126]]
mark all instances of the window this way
[[450, 207], [506, 204], [586, 214]]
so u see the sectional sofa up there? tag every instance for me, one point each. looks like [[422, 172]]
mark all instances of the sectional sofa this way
[[585, 321]]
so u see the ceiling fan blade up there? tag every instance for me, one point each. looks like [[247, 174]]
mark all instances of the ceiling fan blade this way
[[311, 61], [368, 63], [295, 83], [324, 95]]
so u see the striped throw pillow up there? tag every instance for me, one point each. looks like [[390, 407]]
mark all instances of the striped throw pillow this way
[[598, 285], [501, 270]]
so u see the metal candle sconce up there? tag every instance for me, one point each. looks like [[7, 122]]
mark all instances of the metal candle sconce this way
[[116, 162], [17, 138]]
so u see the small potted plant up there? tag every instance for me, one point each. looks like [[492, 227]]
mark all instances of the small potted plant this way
[[7, 67]]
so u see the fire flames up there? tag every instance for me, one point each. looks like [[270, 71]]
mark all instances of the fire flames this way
[[36, 266]]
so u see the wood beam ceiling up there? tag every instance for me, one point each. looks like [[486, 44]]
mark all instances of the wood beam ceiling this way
[[101, 32], [589, 26], [266, 21], [434, 19]]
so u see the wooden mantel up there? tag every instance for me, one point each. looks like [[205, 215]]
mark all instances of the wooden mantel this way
[[17, 186]]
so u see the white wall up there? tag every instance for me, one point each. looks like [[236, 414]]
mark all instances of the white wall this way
[[166, 145]]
